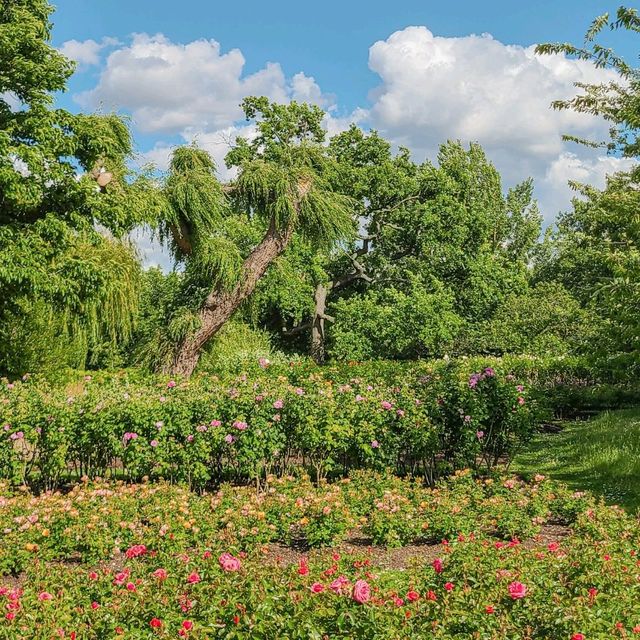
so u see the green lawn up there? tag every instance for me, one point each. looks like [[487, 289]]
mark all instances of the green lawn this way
[[602, 455]]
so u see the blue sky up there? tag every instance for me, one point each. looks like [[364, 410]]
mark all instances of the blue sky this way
[[419, 72]]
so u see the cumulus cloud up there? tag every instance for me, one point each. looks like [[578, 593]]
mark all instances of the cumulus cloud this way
[[475, 88], [173, 88], [86, 52]]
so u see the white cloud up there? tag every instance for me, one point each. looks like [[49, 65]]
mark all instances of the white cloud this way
[[475, 88], [172, 88], [86, 52]]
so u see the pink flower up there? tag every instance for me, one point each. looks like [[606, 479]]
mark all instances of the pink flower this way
[[520, 400], [130, 586], [44, 595], [400, 413], [361, 592], [215, 423], [278, 404], [135, 551], [193, 578], [375, 444], [263, 362], [229, 562], [303, 567], [517, 590], [93, 575], [171, 384], [159, 425], [359, 398], [448, 586], [187, 625], [155, 623], [412, 596], [240, 425], [95, 605], [577, 636], [339, 584], [229, 439], [437, 565], [386, 405], [479, 435], [299, 391], [154, 443], [190, 438], [316, 587]]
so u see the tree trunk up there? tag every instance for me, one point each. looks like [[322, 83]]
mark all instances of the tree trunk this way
[[317, 329], [221, 304]]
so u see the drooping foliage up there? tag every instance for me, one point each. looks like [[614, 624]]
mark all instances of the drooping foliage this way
[[64, 186]]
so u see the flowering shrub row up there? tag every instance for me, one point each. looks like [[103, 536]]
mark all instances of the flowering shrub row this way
[[423, 422], [94, 521], [169, 571]]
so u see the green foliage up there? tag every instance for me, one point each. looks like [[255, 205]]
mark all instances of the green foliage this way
[[541, 320], [54, 261], [393, 324], [215, 428]]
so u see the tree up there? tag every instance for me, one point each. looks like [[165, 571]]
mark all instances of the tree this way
[[62, 176], [227, 236], [595, 250]]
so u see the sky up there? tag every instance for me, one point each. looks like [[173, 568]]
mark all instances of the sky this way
[[419, 72]]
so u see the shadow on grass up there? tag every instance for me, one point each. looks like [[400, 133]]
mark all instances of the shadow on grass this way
[[601, 455]]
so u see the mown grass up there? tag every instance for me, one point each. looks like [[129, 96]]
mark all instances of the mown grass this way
[[601, 455]]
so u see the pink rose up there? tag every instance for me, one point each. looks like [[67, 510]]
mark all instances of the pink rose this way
[[229, 562], [437, 565], [361, 592], [193, 578], [517, 590], [339, 584], [316, 587], [160, 574]]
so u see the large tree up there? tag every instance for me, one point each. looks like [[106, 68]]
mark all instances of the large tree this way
[[595, 250], [228, 235], [65, 193]]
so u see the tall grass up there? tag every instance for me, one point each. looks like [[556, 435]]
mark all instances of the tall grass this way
[[602, 455]]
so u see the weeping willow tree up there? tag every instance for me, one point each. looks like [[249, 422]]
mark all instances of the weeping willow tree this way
[[66, 196], [227, 235]]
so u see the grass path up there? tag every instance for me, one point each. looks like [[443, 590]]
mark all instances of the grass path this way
[[601, 455]]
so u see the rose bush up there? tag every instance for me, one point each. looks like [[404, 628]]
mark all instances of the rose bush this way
[[426, 421], [165, 564]]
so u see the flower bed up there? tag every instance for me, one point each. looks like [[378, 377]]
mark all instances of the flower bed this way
[[157, 561], [426, 421]]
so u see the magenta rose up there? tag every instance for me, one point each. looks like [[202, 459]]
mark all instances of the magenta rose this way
[[361, 591]]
